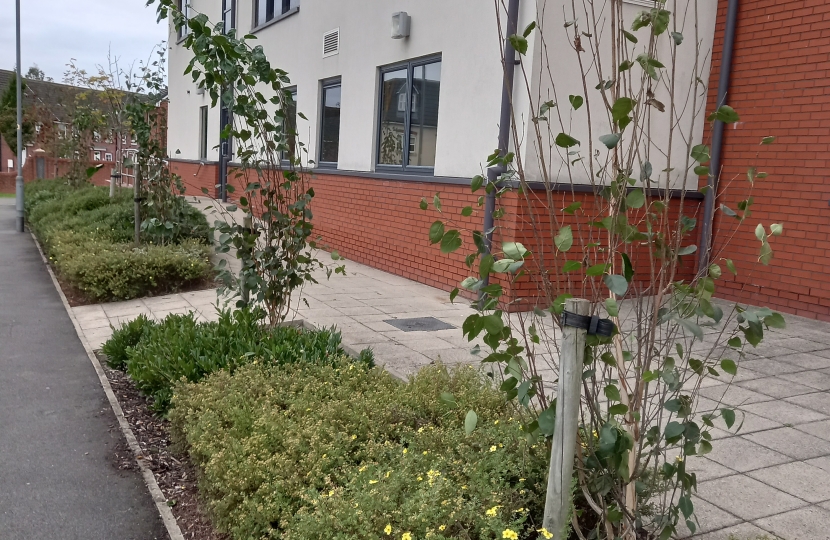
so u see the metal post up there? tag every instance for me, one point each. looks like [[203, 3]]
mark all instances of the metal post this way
[[137, 199], [112, 183], [247, 225], [558, 504], [19, 179]]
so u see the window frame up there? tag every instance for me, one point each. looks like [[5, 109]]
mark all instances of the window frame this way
[[284, 159], [96, 155], [410, 66], [204, 116], [228, 8], [184, 7], [108, 156], [324, 84], [285, 11]]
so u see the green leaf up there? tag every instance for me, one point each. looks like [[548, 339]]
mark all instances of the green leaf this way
[[493, 323], [760, 232], [630, 37], [519, 43], [702, 170], [705, 448], [677, 37], [485, 265], [448, 399], [735, 342], [514, 250], [728, 211], [776, 229], [571, 266], [729, 366], [453, 294], [529, 28], [700, 153], [686, 506], [621, 108], [436, 232], [610, 141], [776, 320], [571, 208], [673, 429], [728, 417], [687, 250], [659, 21], [450, 241], [635, 199], [616, 284], [547, 420], [565, 141], [611, 307], [625, 65], [767, 140], [467, 211], [692, 327], [596, 270], [558, 305], [576, 101], [476, 182], [423, 204], [628, 268], [765, 256], [564, 239], [617, 410], [470, 422], [715, 271], [731, 266], [502, 265], [725, 114], [436, 202]]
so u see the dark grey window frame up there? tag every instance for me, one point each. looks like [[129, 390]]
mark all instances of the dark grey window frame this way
[[256, 27], [184, 31], [228, 12], [204, 115], [410, 66], [327, 83]]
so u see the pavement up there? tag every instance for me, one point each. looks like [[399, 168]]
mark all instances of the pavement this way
[[57, 430], [770, 478]]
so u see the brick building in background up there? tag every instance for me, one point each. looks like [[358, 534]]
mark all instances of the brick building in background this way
[[780, 86]]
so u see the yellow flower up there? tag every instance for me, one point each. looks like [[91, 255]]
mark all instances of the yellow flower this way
[[406, 536], [420, 430], [545, 533], [510, 534], [492, 511], [354, 437], [442, 527], [679, 459], [388, 473], [331, 493], [425, 452], [420, 478], [362, 469], [388, 529], [405, 450], [373, 481], [493, 448]]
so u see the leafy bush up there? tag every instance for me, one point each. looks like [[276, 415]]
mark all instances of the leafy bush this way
[[88, 238], [126, 336], [180, 347], [340, 451]]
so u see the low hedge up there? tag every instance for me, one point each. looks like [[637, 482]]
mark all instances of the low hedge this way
[[88, 238], [157, 355], [343, 451]]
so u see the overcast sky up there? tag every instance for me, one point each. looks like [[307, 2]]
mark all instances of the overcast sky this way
[[53, 31]]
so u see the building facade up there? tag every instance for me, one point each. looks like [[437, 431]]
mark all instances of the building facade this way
[[390, 121]]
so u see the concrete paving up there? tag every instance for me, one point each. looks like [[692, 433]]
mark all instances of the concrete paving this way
[[57, 430], [770, 478]]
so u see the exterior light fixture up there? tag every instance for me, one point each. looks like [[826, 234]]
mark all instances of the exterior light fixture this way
[[400, 25]]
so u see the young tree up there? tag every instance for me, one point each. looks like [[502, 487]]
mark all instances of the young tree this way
[[36, 74], [8, 116]]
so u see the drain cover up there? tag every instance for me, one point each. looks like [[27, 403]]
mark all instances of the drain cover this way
[[419, 324]]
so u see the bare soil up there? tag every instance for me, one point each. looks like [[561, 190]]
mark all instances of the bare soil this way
[[175, 475]]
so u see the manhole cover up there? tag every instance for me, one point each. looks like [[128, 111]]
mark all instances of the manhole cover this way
[[419, 324]]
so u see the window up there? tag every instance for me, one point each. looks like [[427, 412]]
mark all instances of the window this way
[[203, 132], [37, 127], [96, 155], [330, 124], [409, 115], [184, 7], [228, 15], [107, 157], [62, 131], [268, 10], [124, 140], [290, 127]]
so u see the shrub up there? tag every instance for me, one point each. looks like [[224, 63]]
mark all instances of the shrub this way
[[343, 451], [180, 347], [126, 336], [88, 237]]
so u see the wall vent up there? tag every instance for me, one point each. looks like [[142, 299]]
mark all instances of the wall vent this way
[[331, 42]]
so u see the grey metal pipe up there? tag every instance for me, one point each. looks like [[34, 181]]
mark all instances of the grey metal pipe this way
[[19, 179], [493, 173], [717, 135]]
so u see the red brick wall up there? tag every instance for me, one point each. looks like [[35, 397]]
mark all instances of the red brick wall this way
[[196, 176], [780, 87]]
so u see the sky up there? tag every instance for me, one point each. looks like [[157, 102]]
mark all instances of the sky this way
[[54, 31]]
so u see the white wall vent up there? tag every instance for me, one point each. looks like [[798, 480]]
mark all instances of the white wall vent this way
[[331, 42]]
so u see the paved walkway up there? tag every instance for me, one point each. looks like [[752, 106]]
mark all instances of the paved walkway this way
[[772, 478], [57, 430]]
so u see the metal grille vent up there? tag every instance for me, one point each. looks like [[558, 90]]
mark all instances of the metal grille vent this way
[[331, 42]]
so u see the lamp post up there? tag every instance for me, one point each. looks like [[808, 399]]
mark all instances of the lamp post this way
[[19, 180]]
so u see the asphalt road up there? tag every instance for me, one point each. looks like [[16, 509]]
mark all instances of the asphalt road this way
[[58, 433]]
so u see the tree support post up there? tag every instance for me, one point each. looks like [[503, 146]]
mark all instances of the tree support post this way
[[137, 200], [558, 505]]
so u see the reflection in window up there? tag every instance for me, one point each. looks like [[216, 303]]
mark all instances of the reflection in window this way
[[228, 15], [267, 10], [290, 123], [184, 8], [409, 115], [330, 124]]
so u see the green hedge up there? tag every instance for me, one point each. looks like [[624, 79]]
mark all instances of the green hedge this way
[[157, 355], [88, 238], [343, 451]]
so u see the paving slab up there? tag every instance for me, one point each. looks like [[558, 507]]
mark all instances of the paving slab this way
[[742, 455], [747, 498], [58, 433], [816, 401], [744, 531], [817, 429], [798, 478], [809, 523], [775, 387], [791, 442]]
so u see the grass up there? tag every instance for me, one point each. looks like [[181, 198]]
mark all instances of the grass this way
[[7, 195]]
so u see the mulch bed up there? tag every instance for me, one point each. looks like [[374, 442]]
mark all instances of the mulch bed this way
[[175, 475]]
